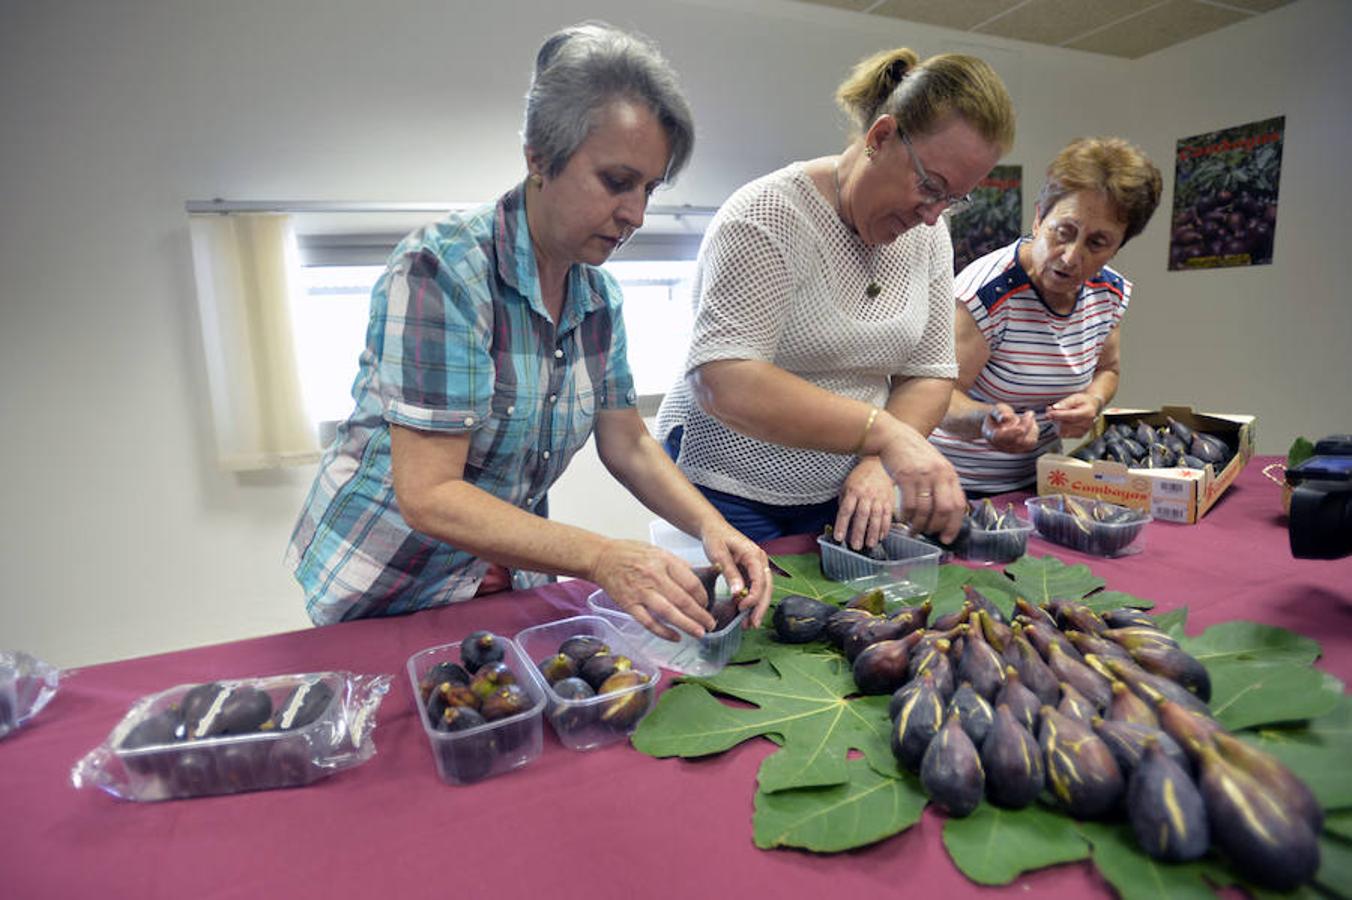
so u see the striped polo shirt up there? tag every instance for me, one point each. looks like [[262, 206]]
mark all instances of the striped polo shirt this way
[[1037, 357], [459, 342]]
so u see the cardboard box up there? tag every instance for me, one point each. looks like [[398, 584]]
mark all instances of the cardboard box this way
[[1174, 495]]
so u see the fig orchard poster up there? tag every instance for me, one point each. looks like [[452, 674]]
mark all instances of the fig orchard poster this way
[[1225, 197], [993, 219]]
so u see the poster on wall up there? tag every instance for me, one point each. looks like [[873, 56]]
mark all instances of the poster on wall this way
[[1225, 197], [992, 220]]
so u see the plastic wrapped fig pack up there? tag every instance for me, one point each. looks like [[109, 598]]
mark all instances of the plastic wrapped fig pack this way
[[230, 736], [27, 684]]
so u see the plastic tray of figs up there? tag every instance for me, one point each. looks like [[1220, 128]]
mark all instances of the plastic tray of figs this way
[[464, 757], [592, 722], [1089, 526], [900, 565], [27, 684], [687, 655], [995, 545], [231, 736]]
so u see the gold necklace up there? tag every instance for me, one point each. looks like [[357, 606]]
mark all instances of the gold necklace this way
[[874, 288]]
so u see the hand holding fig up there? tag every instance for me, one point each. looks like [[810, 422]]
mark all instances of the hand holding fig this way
[[1009, 431], [651, 585], [867, 501], [745, 567], [1074, 416]]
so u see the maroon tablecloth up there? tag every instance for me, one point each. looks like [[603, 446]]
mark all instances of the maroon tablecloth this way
[[611, 822]]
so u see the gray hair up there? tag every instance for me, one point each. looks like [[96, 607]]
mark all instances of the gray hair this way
[[579, 71]]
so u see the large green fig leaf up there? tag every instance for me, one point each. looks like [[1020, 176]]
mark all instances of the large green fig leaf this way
[[1339, 823], [995, 846], [1135, 875], [1046, 579], [1240, 641], [800, 698], [1335, 867], [803, 575], [1259, 693], [1106, 600], [865, 809], [995, 587], [1318, 752], [1172, 623], [948, 595]]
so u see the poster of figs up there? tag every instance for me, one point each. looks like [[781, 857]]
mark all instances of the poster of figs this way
[[1225, 197], [992, 220]]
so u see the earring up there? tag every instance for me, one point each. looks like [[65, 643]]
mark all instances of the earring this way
[[537, 179], [869, 150]]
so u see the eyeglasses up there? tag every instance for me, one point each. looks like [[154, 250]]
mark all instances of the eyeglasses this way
[[929, 191]]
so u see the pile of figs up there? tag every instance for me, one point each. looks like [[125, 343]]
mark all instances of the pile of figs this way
[[1100, 714], [1140, 445], [178, 744], [1084, 524], [585, 667], [465, 696]]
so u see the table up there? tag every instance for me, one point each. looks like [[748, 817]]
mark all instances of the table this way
[[610, 822]]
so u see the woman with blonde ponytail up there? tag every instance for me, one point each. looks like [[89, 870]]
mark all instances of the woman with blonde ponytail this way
[[822, 354]]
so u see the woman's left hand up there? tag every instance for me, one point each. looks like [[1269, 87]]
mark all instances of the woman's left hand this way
[[741, 560], [1074, 416], [867, 502]]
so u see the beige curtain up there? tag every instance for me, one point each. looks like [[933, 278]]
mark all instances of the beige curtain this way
[[244, 265]]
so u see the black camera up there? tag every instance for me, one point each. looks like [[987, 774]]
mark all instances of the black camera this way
[[1320, 525]]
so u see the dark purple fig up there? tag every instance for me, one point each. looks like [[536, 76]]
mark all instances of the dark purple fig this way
[[1033, 671], [1126, 706], [1043, 636], [1127, 617], [197, 704], [1079, 617], [1022, 702], [1191, 462], [439, 674], [163, 727], [1074, 672], [871, 632], [1270, 772], [507, 700], [841, 622], [873, 602], [598, 668], [1081, 771], [558, 667], [1177, 665], [1074, 705], [583, 646], [480, 648], [1092, 643], [242, 767], [1127, 742], [1099, 665], [1165, 809], [911, 618], [1033, 612], [1145, 435], [1178, 448], [1136, 636], [449, 694], [1206, 450], [708, 579], [934, 660], [193, 773], [903, 693], [1191, 730], [724, 610], [1013, 761], [1265, 839], [572, 717], [980, 665], [950, 770], [881, 668], [1161, 457], [625, 710], [242, 712], [470, 757], [973, 711], [980, 601], [917, 722], [574, 689], [953, 619], [798, 619], [1155, 688], [305, 703], [489, 677]]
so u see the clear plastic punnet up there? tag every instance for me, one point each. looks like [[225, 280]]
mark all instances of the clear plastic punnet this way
[[231, 736], [1090, 526], [494, 746], [27, 684], [588, 722], [901, 566], [686, 655]]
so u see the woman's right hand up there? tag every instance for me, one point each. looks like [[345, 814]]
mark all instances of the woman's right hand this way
[[1009, 431], [932, 501], [651, 584]]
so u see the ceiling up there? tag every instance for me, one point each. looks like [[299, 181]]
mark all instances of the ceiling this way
[[1125, 28]]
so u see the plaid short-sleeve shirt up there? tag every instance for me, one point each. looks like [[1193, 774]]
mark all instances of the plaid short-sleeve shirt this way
[[459, 342]]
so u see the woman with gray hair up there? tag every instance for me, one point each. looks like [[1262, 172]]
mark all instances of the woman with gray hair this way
[[495, 349]]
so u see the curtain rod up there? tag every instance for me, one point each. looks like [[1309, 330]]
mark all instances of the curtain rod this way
[[332, 206]]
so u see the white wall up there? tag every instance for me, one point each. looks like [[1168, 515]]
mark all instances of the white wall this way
[[121, 538]]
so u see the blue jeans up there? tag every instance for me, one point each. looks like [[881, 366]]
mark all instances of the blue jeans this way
[[761, 521]]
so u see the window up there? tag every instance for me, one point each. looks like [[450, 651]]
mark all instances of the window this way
[[331, 316]]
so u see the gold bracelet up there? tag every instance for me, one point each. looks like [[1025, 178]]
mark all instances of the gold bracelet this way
[[873, 414]]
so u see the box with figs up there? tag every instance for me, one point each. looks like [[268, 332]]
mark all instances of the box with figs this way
[[1101, 714], [480, 706], [598, 682], [229, 736]]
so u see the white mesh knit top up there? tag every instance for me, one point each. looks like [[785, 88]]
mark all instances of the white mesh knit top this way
[[780, 278]]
